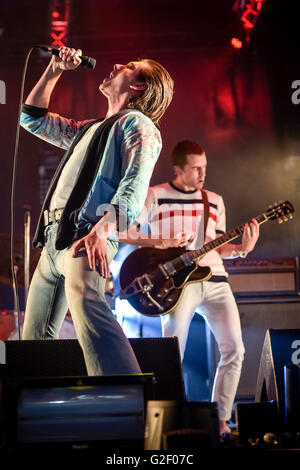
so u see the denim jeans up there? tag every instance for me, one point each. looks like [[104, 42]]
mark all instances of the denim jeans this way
[[61, 282]]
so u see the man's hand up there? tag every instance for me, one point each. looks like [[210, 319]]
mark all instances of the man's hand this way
[[180, 240], [68, 59], [96, 249], [250, 236], [95, 244]]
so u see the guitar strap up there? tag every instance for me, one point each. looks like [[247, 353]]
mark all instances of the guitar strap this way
[[206, 212]]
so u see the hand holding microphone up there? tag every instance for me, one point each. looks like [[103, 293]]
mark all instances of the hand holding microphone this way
[[67, 58]]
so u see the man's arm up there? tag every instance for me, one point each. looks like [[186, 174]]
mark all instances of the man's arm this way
[[41, 93], [134, 237], [95, 244], [36, 119], [140, 148], [249, 239]]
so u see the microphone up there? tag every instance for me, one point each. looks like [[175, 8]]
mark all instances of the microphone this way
[[86, 61]]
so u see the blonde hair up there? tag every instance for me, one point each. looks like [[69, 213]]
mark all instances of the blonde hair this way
[[159, 93]]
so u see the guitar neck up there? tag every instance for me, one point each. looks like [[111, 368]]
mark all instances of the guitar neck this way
[[226, 238]]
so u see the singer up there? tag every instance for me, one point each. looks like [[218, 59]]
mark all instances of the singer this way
[[98, 189]]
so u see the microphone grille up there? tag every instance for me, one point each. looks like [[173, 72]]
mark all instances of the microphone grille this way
[[89, 62]]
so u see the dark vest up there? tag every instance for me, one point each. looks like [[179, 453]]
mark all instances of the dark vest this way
[[67, 231]]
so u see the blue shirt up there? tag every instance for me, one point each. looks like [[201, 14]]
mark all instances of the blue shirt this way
[[132, 149]]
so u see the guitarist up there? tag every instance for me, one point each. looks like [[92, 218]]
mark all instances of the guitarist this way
[[178, 212]]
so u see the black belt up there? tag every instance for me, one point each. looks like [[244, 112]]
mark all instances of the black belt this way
[[218, 279], [52, 216]]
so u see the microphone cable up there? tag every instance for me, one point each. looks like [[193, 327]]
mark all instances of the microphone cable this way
[[87, 62], [12, 199]]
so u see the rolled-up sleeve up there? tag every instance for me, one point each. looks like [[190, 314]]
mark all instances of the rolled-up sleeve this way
[[51, 127], [140, 148]]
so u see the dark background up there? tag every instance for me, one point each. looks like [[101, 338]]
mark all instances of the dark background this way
[[236, 104]]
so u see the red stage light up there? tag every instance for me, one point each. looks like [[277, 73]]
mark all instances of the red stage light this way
[[57, 39], [248, 12], [59, 22], [236, 43]]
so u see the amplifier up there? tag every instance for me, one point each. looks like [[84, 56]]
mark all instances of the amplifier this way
[[263, 277]]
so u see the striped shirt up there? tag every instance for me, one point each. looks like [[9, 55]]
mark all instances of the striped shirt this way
[[169, 211]]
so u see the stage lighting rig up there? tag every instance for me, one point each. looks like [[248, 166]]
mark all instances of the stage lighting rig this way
[[248, 12], [59, 22]]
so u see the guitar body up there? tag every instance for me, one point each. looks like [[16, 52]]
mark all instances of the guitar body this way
[[153, 280], [164, 294]]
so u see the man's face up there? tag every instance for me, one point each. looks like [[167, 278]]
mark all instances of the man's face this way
[[124, 80], [194, 171]]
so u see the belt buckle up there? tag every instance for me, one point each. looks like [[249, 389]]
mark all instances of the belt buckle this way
[[57, 214], [46, 218]]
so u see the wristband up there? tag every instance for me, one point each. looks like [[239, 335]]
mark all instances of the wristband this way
[[241, 254]]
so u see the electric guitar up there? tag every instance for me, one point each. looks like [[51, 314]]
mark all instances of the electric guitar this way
[[152, 280]]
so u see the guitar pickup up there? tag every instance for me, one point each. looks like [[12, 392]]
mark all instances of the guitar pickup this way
[[167, 269], [186, 259]]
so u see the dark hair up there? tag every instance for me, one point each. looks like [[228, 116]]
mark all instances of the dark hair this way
[[184, 148], [159, 93]]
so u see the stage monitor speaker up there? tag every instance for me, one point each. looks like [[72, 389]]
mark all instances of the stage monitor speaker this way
[[291, 395], [64, 358], [181, 425], [73, 410], [257, 316], [281, 348]]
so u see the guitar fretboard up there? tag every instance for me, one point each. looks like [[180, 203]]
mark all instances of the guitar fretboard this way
[[223, 239]]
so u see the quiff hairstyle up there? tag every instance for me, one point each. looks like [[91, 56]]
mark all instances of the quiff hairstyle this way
[[159, 93], [182, 149]]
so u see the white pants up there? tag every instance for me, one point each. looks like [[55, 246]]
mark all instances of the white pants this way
[[221, 314]]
